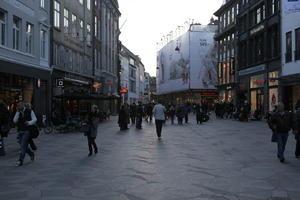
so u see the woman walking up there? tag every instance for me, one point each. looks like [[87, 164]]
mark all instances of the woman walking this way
[[93, 121]]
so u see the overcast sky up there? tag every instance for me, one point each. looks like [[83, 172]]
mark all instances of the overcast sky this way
[[147, 21]]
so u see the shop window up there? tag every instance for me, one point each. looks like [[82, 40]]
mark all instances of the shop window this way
[[297, 36], [257, 81], [273, 78], [288, 54]]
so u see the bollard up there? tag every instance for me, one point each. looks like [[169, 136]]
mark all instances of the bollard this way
[[2, 150]]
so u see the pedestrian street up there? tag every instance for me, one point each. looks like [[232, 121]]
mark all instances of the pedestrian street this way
[[217, 160]]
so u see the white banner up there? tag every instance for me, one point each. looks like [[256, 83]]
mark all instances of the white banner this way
[[188, 62], [291, 6]]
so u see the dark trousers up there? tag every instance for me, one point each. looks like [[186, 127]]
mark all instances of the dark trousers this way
[[92, 143], [159, 124], [32, 144], [281, 142], [172, 119], [186, 117], [24, 137], [132, 119], [297, 152]]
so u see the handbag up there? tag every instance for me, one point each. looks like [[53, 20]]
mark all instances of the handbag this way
[[5, 128], [34, 131], [85, 128], [274, 137]]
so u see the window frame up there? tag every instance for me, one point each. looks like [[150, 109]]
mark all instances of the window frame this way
[[43, 44], [17, 33], [42, 3], [66, 20], [288, 49], [3, 29], [297, 44], [56, 15], [29, 47]]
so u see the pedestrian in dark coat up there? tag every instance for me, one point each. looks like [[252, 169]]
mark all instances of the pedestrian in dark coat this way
[[139, 116], [282, 122], [133, 113], [198, 114], [187, 111], [93, 121], [180, 114], [123, 118], [296, 129]]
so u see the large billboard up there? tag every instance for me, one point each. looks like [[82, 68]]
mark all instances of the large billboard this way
[[188, 62]]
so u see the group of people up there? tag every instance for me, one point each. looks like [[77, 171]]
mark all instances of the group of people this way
[[281, 122], [136, 113], [25, 121]]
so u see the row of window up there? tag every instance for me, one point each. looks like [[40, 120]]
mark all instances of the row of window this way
[[17, 33], [259, 48], [77, 25], [289, 46], [71, 60], [226, 48], [258, 14], [228, 17]]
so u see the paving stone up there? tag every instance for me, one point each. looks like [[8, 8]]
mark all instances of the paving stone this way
[[218, 160]]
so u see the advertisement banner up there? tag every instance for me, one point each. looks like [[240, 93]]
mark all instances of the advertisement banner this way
[[291, 6], [203, 57], [173, 65], [188, 62]]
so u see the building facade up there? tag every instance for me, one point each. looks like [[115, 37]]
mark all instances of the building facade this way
[[290, 53], [132, 77], [147, 96], [24, 54], [227, 54], [259, 62]]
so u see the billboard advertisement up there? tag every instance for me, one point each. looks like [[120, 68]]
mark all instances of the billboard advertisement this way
[[291, 6], [188, 62]]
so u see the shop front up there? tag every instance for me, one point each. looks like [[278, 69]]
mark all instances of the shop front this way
[[25, 84], [257, 96]]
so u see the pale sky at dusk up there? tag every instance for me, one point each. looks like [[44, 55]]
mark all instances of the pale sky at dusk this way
[[149, 20]]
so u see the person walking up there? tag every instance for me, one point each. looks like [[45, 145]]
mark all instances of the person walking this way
[[172, 113], [4, 126], [93, 121], [123, 118], [180, 114], [159, 115], [30, 141], [139, 116], [198, 114], [281, 122], [133, 113], [296, 129], [24, 118], [186, 110]]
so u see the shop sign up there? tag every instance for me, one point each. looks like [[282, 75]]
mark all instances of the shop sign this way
[[229, 88], [123, 91], [108, 82], [252, 70], [257, 29], [209, 93], [60, 83], [97, 85]]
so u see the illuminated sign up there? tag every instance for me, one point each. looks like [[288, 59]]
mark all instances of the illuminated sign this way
[[123, 91]]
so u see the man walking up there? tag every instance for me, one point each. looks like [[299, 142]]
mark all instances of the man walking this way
[[25, 119], [159, 115], [281, 121]]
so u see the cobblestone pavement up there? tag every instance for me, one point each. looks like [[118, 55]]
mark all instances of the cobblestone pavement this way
[[219, 160]]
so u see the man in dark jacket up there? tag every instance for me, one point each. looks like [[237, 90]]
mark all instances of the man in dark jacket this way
[[296, 129], [282, 122], [24, 118], [133, 113]]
